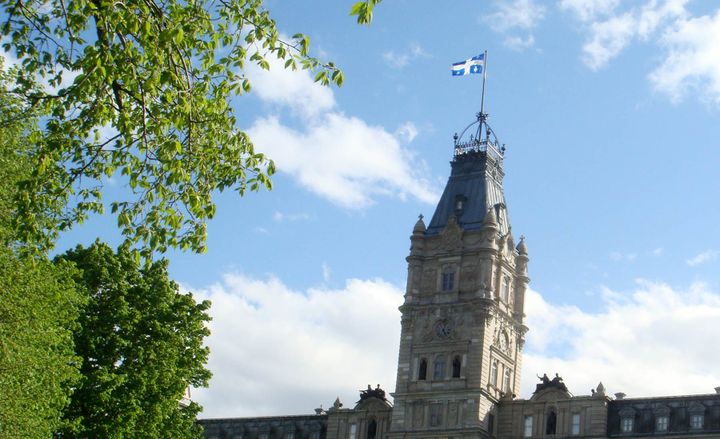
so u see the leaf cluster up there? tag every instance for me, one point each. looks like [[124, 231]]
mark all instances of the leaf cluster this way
[[363, 10], [140, 91]]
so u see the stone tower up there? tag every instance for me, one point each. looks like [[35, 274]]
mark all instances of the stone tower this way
[[462, 320]]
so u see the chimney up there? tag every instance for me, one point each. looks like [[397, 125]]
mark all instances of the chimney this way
[[620, 395]]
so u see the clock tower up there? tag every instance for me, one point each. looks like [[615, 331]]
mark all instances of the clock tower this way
[[462, 326]]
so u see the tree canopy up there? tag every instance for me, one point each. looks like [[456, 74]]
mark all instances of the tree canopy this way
[[141, 345], [141, 90]]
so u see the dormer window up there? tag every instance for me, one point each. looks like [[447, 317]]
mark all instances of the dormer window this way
[[697, 421], [626, 425], [459, 204], [661, 423]]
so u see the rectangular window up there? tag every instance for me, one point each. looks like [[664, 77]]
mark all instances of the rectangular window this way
[[435, 415], [661, 423], [448, 281], [439, 368], [626, 425], [494, 373], [575, 424], [697, 421], [506, 380], [353, 431], [528, 426]]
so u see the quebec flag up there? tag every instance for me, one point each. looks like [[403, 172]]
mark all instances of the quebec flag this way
[[472, 65]]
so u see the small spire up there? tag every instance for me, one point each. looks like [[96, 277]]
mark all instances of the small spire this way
[[419, 225], [522, 247]]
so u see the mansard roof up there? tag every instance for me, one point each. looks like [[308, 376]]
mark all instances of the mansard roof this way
[[474, 187]]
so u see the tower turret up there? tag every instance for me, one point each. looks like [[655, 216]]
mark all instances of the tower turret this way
[[462, 320]]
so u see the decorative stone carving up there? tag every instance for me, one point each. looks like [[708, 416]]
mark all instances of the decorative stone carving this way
[[451, 236]]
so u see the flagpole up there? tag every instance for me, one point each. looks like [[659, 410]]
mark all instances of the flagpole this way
[[482, 99]]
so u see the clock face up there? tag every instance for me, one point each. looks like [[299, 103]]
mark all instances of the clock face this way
[[443, 328]]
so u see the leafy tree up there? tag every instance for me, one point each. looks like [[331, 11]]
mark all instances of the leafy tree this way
[[38, 305], [141, 343], [146, 97]]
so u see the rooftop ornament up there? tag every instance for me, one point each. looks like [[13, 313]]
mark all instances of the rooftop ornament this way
[[478, 137]]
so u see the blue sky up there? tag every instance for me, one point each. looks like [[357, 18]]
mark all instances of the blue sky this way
[[610, 113]]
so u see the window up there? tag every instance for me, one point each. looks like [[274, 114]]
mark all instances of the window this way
[[315, 435], [439, 368], [697, 421], [491, 423], [551, 423], [506, 380], [575, 424], [527, 432], [626, 425], [505, 292], [353, 431], [661, 423], [263, 436], [435, 415], [290, 435], [448, 280], [494, 373], [372, 429], [456, 367], [422, 370]]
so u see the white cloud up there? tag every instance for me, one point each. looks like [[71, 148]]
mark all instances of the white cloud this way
[[338, 157], [344, 159], [692, 62], [519, 43], [517, 16], [610, 36], [276, 351], [706, 256], [280, 217], [406, 132], [659, 251], [632, 344], [587, 10], [402, 59], [295, 89]]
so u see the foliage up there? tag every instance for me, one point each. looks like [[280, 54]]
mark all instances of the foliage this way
[[141, 343], [141, 90], [37, 364], [364, 10], [38, 307]]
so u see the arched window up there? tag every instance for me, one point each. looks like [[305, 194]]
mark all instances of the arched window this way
[[422, 370], [372, 429], [505, 292], [457, 363], [551, 422], [494, 373], [439, 368]]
